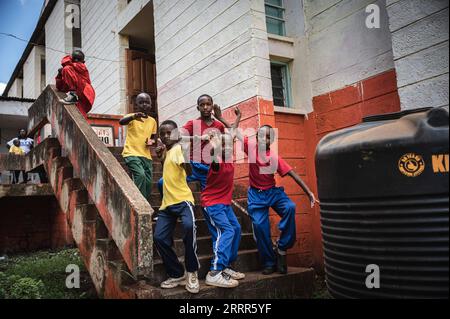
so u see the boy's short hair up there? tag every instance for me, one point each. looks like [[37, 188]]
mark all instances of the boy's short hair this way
[[202, 96], [16, 141], [169, 122], [272, 132], [78, 54]]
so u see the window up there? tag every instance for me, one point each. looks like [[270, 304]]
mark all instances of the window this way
[[275, 17], [43, 76], [281, 84]]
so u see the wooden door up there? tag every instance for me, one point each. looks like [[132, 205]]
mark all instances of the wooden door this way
[[141, 77]]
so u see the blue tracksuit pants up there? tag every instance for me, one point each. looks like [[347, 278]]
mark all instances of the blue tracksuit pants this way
[[163, 237], [199, 174], [226, 235], [259, 203]]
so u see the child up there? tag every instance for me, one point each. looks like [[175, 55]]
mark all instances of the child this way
[[141, 135], [202, 126], [178, 202], [263, 195], [26, 144], [222, 222], [16, 150], [73, 78]]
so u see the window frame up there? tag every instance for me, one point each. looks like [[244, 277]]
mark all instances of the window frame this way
[[287, 90], [282, 20]]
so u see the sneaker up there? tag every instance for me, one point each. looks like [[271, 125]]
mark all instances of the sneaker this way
[[222, 280], [281, 262], [71, 98], [192, 284], [174, 282], [234, 274]]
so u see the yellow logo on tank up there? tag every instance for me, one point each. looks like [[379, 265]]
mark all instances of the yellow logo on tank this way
[[411, 165]]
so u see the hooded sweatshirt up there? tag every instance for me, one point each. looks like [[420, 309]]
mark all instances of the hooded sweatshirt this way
[[75, 77]]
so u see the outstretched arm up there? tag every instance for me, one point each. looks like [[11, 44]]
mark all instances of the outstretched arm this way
[[128, 119], [234, 127], [305, 188]]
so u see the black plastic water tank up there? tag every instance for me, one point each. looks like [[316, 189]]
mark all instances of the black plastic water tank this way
[[384, 192]]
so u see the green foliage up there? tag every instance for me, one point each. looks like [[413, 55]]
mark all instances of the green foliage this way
[[26, 288], [43, 275]]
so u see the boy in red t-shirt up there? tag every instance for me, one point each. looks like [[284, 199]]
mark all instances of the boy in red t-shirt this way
[[222, 222], [263, 194]]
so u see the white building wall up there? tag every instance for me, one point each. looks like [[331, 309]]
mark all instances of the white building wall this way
[[342, 50], [32, 74], [103, 47], [421, 49], [214, 47], [16, 89], [55, 41]]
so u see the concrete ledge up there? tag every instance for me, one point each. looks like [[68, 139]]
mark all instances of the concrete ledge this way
[[24, 190]]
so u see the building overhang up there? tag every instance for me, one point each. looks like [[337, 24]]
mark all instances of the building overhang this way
[[37, 36]]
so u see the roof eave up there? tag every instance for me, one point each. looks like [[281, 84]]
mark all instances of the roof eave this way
[[34, 37]]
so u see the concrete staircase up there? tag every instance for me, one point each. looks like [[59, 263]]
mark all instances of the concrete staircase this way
[[112, 224]]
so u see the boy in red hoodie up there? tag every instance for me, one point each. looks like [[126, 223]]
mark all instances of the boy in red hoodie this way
[[73, 78]]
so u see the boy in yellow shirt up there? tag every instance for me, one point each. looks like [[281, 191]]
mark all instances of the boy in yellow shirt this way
[[142, 129], [178, 202], [16, 150]]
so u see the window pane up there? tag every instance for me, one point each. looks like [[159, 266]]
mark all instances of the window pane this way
[[275, 2], [274, 12], [277, 85], [275, 26]]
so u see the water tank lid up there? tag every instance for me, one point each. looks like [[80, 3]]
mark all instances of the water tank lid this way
[[394, 116]]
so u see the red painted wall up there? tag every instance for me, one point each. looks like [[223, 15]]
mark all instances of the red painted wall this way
[[298, 139], [37, 225]]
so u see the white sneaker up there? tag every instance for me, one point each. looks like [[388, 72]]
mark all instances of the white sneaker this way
[[192, 284], [174, 282], [221, 280], [234, 274]]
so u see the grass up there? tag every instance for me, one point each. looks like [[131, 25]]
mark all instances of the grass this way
[[320, 289], [50, 268]]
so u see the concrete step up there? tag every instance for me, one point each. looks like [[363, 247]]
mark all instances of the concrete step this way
[[205, 245], [297, 284], [248, 261]]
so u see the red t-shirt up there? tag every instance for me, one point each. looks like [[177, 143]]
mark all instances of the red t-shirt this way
[[198, 127], [219, 186], [262, 170]]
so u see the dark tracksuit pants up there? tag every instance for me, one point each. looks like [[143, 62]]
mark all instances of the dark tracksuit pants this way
[[165, 227], [259, 203]]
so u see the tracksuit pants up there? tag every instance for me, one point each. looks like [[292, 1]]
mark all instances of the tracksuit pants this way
[[142, 170], [163, 237], [226, 235], [199, 174], [259, 203]]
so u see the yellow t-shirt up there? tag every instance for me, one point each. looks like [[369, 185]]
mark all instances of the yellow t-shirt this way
[[175, 189], [16, 150], [137, 134]]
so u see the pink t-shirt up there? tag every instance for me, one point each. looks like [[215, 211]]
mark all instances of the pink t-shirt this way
[[197, 124], [263, 168]]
